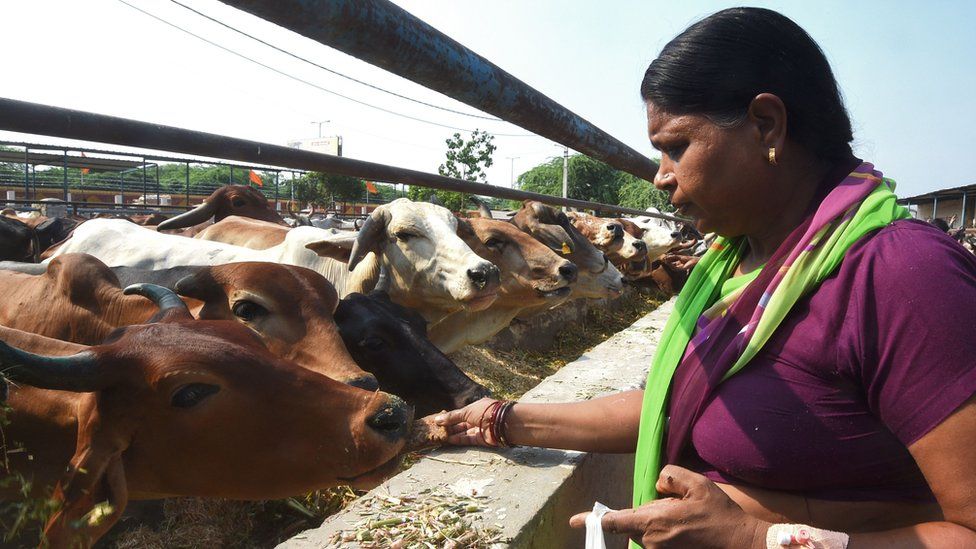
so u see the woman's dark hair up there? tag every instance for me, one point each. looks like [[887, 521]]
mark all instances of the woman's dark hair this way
[[718, 65]]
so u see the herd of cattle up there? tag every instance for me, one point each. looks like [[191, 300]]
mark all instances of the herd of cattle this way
[[225, 353]]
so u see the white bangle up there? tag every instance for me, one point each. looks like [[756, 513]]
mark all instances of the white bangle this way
[[801, 535]]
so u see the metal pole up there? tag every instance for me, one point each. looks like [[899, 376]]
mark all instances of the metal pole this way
[[187, 184], [381, 33], [962, 216], [64, 163], [26, 173], [231, 176], [145, 189], [935, 207], [158, 202], [512, 175], [26, 117], [277, 180]]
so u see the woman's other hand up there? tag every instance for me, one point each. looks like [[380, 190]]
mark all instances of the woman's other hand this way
[[691, 512], [463, 425]]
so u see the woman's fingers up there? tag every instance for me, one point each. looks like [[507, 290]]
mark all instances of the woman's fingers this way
[[680, 482]]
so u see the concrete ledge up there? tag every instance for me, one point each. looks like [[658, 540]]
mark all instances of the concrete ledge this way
[[532, 492]]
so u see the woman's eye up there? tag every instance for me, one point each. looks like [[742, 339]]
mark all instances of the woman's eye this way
[[674, 153], [248, 310], [192, 394], [373, 343]]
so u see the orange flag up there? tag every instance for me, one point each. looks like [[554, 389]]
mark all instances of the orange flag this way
[[255, 178], [84, 170], [371, 188]]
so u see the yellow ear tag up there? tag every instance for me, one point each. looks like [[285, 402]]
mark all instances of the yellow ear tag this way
[[566, 249]]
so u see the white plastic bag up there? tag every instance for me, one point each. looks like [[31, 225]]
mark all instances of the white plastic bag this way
[[594, 530]]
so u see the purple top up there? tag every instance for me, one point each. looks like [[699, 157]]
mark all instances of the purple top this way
[[879, 355]]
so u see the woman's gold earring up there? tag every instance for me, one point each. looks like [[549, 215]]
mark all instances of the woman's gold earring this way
[[772, 156]]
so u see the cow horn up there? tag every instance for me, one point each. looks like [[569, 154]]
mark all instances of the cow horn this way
[[164, 298], [195, 216], [482, 207], [372, 233], [78, 372], [383, 282]]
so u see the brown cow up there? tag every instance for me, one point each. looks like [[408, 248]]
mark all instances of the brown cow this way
[[532, 275], [246, 232], [226, 201], [597, 278], [79, 299], [185, 407], [609, 236]]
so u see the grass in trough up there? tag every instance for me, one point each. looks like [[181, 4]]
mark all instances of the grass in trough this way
[[509, 374]]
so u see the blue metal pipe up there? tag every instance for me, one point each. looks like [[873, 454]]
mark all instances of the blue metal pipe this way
[[381, 33]]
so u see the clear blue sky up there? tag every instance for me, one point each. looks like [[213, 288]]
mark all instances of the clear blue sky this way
[[908, 73]]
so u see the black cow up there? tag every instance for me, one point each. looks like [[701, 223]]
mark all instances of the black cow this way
[[390, 342], [18, 242]]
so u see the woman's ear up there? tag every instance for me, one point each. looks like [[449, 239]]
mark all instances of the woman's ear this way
[[768, 114]]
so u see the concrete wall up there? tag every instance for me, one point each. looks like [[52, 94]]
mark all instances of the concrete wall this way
[[532, 492]]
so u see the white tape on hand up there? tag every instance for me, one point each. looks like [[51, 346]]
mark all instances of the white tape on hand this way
[[594, 528]]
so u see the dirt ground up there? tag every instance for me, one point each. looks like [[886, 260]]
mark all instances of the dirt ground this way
[[191, 523]]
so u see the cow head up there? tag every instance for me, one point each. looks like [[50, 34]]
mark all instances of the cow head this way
[[530, 271], [610, 237], [596, 278], [428, 264], [291, 309], [391, 342], [227, 200], [194, 407]]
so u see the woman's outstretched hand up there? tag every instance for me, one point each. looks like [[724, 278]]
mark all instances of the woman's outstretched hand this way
[[463, 425], [692, 512]]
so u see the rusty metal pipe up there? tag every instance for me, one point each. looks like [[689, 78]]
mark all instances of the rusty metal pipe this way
[[384, 34], [34, 118]]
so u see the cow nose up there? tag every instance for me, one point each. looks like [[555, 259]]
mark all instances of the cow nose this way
[[483, 274], [473, 395], [367, 382], [676, 234], [392, 420], [615, 229], [640, 245], [568, 271]]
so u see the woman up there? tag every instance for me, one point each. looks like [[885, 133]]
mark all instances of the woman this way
[[818, 369]]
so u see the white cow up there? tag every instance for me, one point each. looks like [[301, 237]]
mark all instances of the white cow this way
[[431, 269]]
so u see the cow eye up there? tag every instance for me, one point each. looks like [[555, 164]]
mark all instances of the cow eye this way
[[238, 202], [494, 243], [192, 394], [372, 343], [248, 310], [403, 236]]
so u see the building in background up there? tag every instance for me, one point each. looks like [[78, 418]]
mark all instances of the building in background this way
[[945, 203]]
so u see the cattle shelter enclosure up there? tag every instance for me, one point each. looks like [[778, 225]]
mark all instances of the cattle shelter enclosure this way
[[558, 480]]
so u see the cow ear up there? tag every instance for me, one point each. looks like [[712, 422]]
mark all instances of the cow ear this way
[[553, 236], [464, 228], [93, 493], [199, 285], [340, 251], [370, 237]]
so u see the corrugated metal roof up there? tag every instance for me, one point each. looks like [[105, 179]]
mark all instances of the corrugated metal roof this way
[[93, 163], [952, 192]]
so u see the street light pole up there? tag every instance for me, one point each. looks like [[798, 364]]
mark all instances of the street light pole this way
[[320, 125], [565, 174], [513, 159]]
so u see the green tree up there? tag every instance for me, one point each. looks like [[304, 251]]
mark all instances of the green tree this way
[[640, 194], [589, 179], [467, 160]]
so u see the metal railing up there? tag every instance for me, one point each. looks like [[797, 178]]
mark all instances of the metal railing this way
[[26, 117]]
